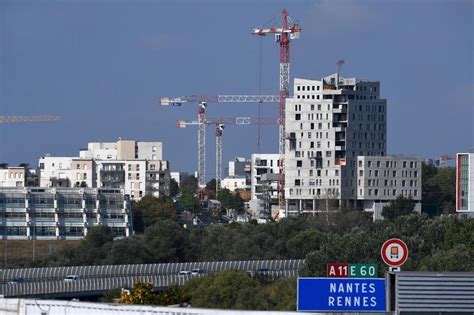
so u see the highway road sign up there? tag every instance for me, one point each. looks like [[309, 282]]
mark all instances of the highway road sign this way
[[351, 270], [341, 294], [394, 252]]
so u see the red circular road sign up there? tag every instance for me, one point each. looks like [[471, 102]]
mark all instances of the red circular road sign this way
[[394, 252]]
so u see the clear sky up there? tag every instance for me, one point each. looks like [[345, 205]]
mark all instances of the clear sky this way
[[103, 66]]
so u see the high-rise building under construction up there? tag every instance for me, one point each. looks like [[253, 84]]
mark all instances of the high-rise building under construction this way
[[329, 124]]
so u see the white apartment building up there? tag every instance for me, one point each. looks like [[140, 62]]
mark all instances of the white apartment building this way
[[13, 176], [381, 179], [135, 167], [66, 172], [264, 184], [465, 184], [238, 175], [62, 213], [123, 150], [329, 124], [234, 183]]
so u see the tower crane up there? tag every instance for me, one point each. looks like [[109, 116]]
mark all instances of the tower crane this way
[[220, 123], [219, 129], [22, 119], [283, 35], [202, 104]]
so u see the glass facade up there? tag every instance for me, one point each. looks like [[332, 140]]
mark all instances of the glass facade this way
[[61, 213], [463, 182]]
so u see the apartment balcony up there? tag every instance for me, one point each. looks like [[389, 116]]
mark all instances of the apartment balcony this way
[[340, 110]]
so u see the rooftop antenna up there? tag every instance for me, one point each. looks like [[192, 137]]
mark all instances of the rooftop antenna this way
[[339, 63]]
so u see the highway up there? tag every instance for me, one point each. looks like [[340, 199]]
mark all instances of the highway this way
[[94, 280]]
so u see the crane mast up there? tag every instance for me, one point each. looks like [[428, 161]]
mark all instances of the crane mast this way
[[220, 123], [202, 121], [282, 36], [219, 129]]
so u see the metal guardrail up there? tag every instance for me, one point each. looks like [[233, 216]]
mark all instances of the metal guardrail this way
[[40, 281]]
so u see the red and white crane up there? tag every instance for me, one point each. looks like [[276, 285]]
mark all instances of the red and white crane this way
[[202, 121], [22, 119], [283, 35], [220, 124]]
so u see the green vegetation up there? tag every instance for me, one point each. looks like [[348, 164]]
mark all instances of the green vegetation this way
[[439, 190], [340, 237], [398, 207], [225, 290]]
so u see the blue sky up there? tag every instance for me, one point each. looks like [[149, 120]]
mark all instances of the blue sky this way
[[103, 66]]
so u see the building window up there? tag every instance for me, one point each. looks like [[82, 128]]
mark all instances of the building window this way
[[297, 116], [299, 163], [297, 182]]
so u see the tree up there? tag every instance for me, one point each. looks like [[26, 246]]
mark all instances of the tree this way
[[142, 293], [225, 197], [211, 189], [438, 189], [95, 246], [227, 290], [237, 202], [131, 250], [188, 201], [174, 187], [303, 243], [137, 217], [98, 236], [398, 207], [165, 241], [174, 294], [282, 294], [458, 258], [189, 182], [154, 209]]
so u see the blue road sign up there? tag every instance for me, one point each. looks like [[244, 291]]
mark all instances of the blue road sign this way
[[341, 294]]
